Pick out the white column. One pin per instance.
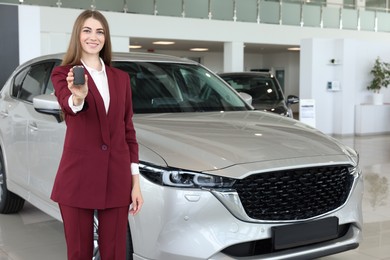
(29, 32)
(233, 56)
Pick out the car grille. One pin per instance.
(294, 194)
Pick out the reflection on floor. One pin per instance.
(32, 235)
(375, 162)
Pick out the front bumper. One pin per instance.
(349, 241)
(183, 224)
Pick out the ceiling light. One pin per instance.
(294, 49)
(163, 43)
(199, 49)
(135, 46)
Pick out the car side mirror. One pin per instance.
(48, 104)
(292, 99)
(247, 98)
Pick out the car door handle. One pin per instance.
(33, 126)
(4, 113)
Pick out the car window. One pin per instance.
(18, 81)
(261, 88)
(33, 81)
(50, 88)
(169, 87)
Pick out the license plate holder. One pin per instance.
(295, 235)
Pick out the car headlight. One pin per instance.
(167, 176)
(354, 155)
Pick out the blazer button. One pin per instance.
(104, 147)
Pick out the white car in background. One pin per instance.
(220, 180)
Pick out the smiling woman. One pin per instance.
(99, 147)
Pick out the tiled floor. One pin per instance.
(375, 161)
(32, 235)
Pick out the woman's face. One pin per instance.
(92, 37)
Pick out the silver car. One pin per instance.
(220, 180)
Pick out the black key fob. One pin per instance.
(78, 74)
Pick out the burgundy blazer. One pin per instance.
(94, 171)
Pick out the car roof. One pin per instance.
(246, 73)
(123, 56)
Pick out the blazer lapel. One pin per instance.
(100, 109)
(112, 90)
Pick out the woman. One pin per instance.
(99, 165)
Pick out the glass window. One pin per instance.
(165, 87)
(50, 88)
(349, 4)
(377, 4)
(18, 82)
(261, 88)
(35, 81)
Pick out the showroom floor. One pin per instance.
(32, 235)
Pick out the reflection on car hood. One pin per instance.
(211, 141)
(268, 104)
(276, 106)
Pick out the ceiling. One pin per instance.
(186, 45)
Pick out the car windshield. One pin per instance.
(261, 88)
(159, 87)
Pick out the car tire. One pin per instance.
(96, 253)
(9, 202)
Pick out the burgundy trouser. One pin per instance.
(78, 226)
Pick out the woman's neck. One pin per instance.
(92, 62)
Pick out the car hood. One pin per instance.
(213, 141)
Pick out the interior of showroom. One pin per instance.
(307, 72)
(329, 73)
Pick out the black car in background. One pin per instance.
(265, 90)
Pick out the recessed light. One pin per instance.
(135, 46)
(163, 43)
(199, 49)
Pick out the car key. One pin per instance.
(78, 74)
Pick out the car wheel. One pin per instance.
(9, 202)
(96, 253)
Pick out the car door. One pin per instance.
(13, 124)
(45, 142)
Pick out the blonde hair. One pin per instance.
(73, 54)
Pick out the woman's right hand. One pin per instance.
(79, 92)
